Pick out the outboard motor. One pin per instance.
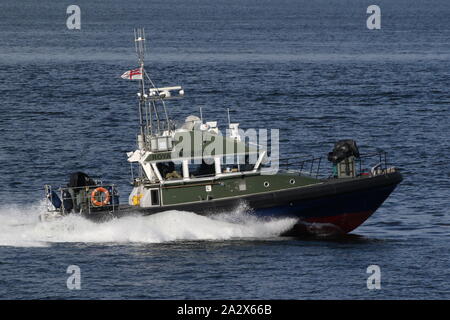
(79, 196)
(80, 179)
(343, 158)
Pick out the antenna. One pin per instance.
(229, 121)
(139, 43)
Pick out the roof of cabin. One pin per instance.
(194, 144)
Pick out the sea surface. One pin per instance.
(311, 69)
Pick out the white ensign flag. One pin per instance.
(135, 74)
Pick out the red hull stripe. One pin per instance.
(346, 222)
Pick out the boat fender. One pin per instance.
(54, 199)
(97, 203)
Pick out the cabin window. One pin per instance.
(170, 170)
(236, 164)
(247, 162)
(229, 164)
(154, 194)
(204, 169)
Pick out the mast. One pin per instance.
(139, 42)
(154, 121)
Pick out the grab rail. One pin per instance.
(313, 166)
(78, 199)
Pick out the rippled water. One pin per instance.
(310, 69)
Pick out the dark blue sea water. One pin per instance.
(309, 68)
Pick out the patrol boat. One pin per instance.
(193, 167)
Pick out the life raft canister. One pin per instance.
(97, 203)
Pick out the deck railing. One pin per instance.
(78, 199)
(314, 167)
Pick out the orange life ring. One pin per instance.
(97, 203)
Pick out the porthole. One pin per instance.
(266, 184)
(292, 181)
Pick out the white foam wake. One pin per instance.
(20, 226)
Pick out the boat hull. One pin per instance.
(335, 205)
(344, 208)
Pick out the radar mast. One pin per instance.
(154, 119)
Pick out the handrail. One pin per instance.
(79, 201)
(314, 167)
